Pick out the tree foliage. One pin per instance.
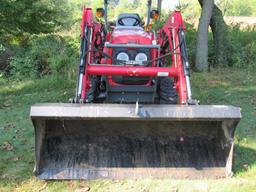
(19, 17)
(238, 7)
(36, 38)
(43, 55)
(122, 6)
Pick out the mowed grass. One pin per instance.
(226, 86)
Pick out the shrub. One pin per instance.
(191, 43)
(241, 49)
(242, 52)
(44, 55)
(5, 54)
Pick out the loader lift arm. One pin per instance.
(172, 36)
(92, 37)
(173, 31)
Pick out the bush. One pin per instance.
(191, 43)
(5, 54)
(242, 53)
(44, 55)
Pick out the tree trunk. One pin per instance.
(202, 36)
(220, 35)
(159, 6)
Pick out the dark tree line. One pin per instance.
(25, 17)
(31, 17)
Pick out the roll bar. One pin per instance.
(159, 6)
(106, 13)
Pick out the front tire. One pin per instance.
(167, 93)
(91, 92)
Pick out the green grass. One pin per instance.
(226, 86)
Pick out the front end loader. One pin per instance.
(133, 115)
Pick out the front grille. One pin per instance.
(132, 54)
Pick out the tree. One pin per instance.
(19, 17)
(202, 35)
(159, 5)
(220, 35)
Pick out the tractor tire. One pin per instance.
(167, 93)
(90, 95)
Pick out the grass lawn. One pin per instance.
(229, 86)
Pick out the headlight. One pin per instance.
(122, 56)
(141, 57)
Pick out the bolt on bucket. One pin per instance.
(114, 141)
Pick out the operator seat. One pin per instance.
(128, 19)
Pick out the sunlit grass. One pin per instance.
(14, 86)
(154, 185)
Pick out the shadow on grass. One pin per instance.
(244, 158)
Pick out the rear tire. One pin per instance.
(167, 93)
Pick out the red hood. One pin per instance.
(137, 36)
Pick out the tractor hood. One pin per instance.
(125, 35)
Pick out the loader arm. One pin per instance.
(91, 48)
(169, 38)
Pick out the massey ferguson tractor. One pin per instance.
(133, 115)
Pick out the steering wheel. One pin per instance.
(121, 20)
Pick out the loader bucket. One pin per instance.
(114, 141)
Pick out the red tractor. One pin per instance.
(127, 62)
(133, 115)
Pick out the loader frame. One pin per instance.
(171, 39)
